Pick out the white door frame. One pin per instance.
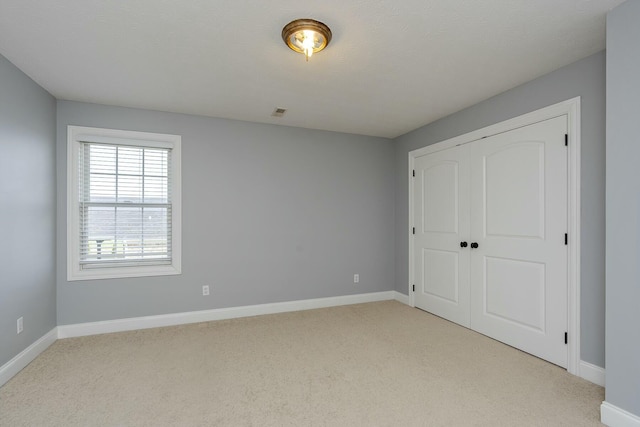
(570, 108)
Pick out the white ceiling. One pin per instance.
(392, 66)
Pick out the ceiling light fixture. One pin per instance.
(306, 36)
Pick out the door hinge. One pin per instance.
(566, 139)
(414, 172)
(566, 239)
(414, 288)
(566, 338)
(413, 230)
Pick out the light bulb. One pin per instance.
(308, 43)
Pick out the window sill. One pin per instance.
(122, 272)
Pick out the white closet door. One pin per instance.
(441, 218)
(519, 221)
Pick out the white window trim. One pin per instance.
(76, 134)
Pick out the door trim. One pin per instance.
(571, 109)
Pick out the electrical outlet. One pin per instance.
(20, 325)
(356, 278)
(205, 290)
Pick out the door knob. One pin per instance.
(463, 244)
(474, 245)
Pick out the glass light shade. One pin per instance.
(306, 36)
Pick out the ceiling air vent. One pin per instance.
(279, 112)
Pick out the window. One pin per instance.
(123, 204)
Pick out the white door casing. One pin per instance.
(491, 263)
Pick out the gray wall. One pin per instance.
(623, 208)
(27, 214)
(585, 78)
(270, 213)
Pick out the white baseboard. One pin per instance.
(26, 356)
(146, 322)
(613, 416)
(591, 372)
(400, 297)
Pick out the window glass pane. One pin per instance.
(126, 233)
(100, 222)
(129, 226)
(102, 159)
(155, 232)
(129, 189)
(102, 188)
(100, 237)
(130, 160)
(155, 190)
(155, 162)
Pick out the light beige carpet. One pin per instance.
(378, 364)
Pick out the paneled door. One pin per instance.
(518, 223)
(489, 248)
(441, 216)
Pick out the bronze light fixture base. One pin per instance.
(306, 36)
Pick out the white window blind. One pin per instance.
(125, 205)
